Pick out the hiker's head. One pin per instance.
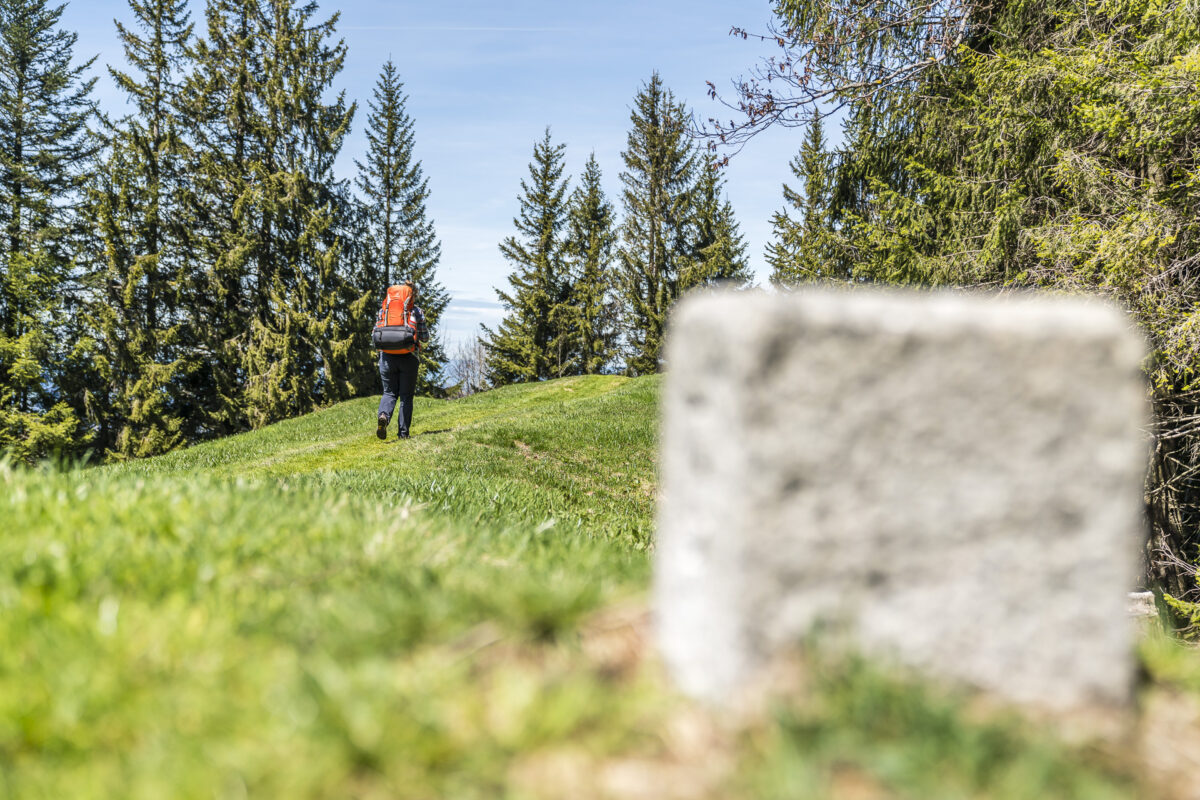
(412, 288)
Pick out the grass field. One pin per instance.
(307, 612)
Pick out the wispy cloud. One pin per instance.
(455, 28)
(473, 306)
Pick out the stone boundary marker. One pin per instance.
(950, 480)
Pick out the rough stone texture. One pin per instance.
(1141, 604)
(953, 480)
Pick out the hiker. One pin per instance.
(398, 335)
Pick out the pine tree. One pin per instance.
(660, 165)
(298, 352)
(718, 250)
(405, 244)
(958, 169)
(44, 149)
(134, 205)
(803, 247)
(590, 242)
(533, 341)
(217, 104)
(360, 259)
(271, 209)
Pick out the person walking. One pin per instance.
(398, 335)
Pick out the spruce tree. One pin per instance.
(217, 104)
(660, 164)
(45, 146)
(533, 341)
(270, 209)
(134, 210)
(298, 351)
(590, 242)
(803, 248)
(360, 258)
(718, 250)
(405, 245)
(959, 169)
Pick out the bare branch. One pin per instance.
(834, 53)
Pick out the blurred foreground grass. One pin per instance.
(307, 612)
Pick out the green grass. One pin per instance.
(578, 451)
(165, 638)
(294, 612)
(307, 612)
(853, 727)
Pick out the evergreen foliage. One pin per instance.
(804, 247)
(1059, 154)
(1046, 146)
(404, 245)
(660, 172)
(590, 243)
(534, 340)
(718, 249)
(44, 146)
(216, 102)
(273, 294)
(134, 209)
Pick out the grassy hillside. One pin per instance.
(295, 612)
(578, 452)
(307, 612)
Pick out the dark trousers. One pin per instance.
(399, 374)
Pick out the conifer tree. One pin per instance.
(958, 169)
(134, 209)
(360, 259)
(533, 341)
(718, 248)
(298, 350)
(405, 245)
(590, 241)
(271, 208)
(217, 103)
(660, 164)
(44, 147)
(803, 248)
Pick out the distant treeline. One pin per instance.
(1051, 145)
(590, 293)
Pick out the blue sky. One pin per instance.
(484, 79)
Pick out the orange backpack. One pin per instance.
(396, 330)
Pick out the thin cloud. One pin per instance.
(457, 306)
(454, 28)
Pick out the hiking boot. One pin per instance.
(381, 429)
(403, 435)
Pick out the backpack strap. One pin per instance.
(386, 313)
